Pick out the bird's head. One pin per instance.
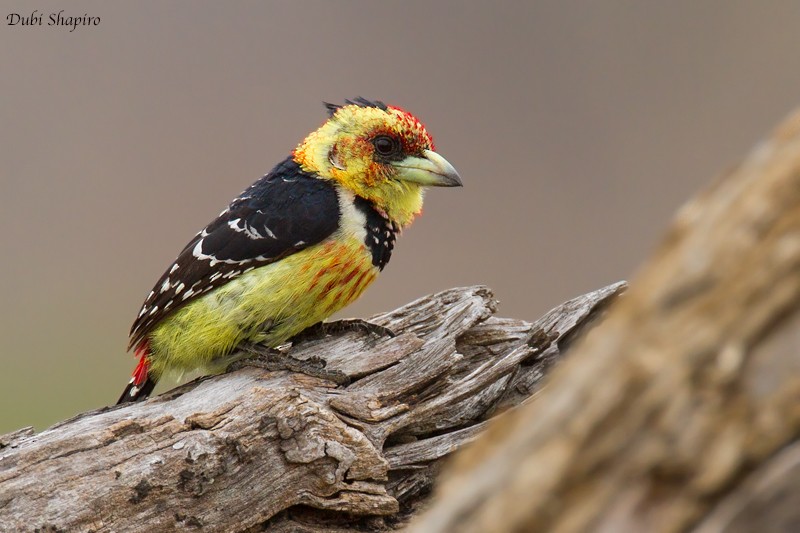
(381, 153)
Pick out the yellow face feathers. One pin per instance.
(381, 153)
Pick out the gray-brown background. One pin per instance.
(578, 129)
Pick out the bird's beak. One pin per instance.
(431, 170)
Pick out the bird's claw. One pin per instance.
(274, 360)
(322, 329)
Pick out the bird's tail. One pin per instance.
(143, 382)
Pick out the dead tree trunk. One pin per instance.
(681, 411)
(236, 451)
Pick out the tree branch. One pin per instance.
(668, 405)
(231, 452)
(678, 412)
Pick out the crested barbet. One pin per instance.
(296, 246)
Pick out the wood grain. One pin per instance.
(260, 449)
(661, 411)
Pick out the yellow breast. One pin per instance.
(269, 304)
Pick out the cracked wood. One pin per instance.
(236, 451)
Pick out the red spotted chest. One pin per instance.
(345, 278)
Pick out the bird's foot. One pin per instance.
(322, 329)
(273, 360)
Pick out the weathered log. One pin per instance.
(663, 410)
(764, 501)
(680, 412)
(283, 451)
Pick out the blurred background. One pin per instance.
(578, 131)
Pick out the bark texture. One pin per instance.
(283, 451)
(679, 412)
(672, 414)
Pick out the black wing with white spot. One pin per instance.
(284, 212)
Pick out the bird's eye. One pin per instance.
(386, 146)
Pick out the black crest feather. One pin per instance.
(359, 101)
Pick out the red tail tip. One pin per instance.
(140, 374)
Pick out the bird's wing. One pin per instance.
(284, 212)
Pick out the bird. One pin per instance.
(296, 246)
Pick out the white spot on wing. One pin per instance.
(153, 310)
(252, 233)
(197, 252)
(174, 268)
(246, 229)
(179, 288)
